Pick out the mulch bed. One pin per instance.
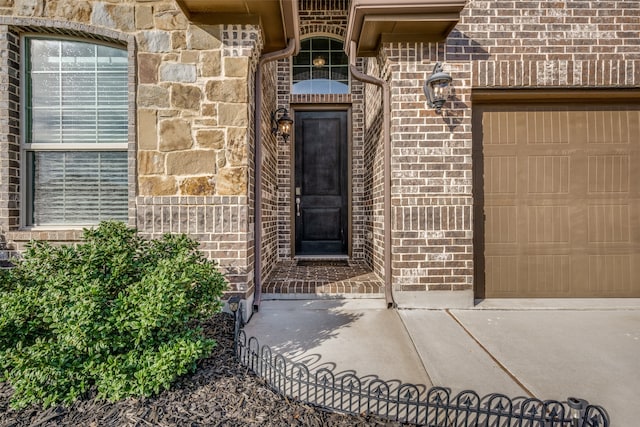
(220, 393)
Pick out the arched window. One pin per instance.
(320, 67)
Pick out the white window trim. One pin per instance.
(27, 147)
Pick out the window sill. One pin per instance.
(66, 234)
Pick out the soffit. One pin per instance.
(372, 22)
(278, 19)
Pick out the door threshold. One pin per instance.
(321, 257)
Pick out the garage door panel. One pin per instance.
(547, 275)
(502, 129)
(546, 127)
(612, 275)
(502, 225)
(502, 173)
(560, 199)
(608, 173)
(609, 223)
(548, 174)
(607, 125)
(502, 273)
(548, 225)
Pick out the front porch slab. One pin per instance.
(322, 279)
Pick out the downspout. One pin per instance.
(386, 125)
(269, 57)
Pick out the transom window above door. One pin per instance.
(321, 67)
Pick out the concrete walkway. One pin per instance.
(555, 351)
(357, 336)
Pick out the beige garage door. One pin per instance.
(557, 193)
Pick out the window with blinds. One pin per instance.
(76, 132)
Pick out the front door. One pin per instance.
(321, 183)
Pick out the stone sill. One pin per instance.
(51, 235)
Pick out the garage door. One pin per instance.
(557, 195)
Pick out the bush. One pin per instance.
(116, 312)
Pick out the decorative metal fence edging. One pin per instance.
(408, 403)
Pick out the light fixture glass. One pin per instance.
(319, 61)
(437, 88)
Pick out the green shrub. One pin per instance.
(116, 312)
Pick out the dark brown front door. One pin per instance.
(321, 187)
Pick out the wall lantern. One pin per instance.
(282, 125)
(437, 88)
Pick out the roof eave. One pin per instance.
(372, 22)
(278, 19)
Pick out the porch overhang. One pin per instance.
(372, 22)
(278, 19)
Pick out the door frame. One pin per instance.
(292, 170)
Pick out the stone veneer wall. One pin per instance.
(190, 121)
(497, 44)
(195, 120)
(325, 18)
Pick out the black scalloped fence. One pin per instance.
(409, 403)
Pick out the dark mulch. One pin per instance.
(220, 393)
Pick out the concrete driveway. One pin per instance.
(592, 354)
(585, 350)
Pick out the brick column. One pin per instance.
(432, 204)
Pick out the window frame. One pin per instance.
(28, 149)
(329, 66)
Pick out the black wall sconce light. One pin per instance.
(281, 125)
(437, 88)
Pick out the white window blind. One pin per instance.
(77, 101)
(78, 92)
(79, 187)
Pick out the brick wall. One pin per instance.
(549, 43)
(220, 223)
(497, 44)
(269, 161)
(326, 18)
(373, 180)
(9, 130)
